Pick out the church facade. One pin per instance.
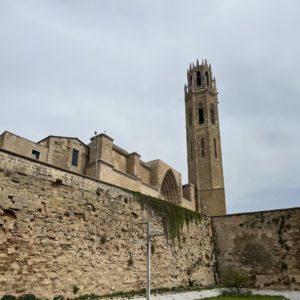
(103, 160)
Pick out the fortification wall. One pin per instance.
(59, 230)
(265, 245)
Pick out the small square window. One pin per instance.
(35, 154)
(75, 155)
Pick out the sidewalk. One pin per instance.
(185, 296)
(292, 295)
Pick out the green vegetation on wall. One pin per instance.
(172, 216)
(282, 222)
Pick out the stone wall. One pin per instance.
(266, 245)
(59, 229)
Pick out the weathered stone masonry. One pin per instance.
(59, 230)
(266, 245)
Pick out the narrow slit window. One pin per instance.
(75, 156)
(207, 78)
(35, 154)
(192, 151)
(201, 115)
(202, 148)
(190, 118)
(198, 78)
(215, 148)
(212, 114)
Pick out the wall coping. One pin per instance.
(75, 173)
(59, 168)
(256, 212)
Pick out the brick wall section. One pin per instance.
(266, 245)
(59, 229)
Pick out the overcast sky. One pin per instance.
(71, 67)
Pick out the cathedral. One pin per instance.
(104, 161)
(73, 214)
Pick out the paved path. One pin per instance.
(185, 296)
(293, 295)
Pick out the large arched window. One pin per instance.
(215, 148)
(212, 114)
(201, 114)
(169, 188)
(202, 147)
(207, 78)
(191, 79)
(198, 78)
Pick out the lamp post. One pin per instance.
(150, 234)
(97, 149)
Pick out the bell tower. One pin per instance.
(204, 156)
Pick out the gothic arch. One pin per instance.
(191, 79)
(169, 188)
(207, 78)
(201, 113)
(202, 144)
(212, 114)
(198, 78)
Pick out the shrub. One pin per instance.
(75, 289)
(235, 279)
(27, 297)
(8, 297)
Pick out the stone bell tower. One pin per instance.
(204, 154)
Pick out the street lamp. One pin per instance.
(150, 234)
(97, 149)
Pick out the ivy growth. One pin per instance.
(172, 216)
(281, 221)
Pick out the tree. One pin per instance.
(235, 279)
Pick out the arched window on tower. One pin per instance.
(207, 78)
(215, 148)
(202, 148)
(191, 79)
(201, 114)
(212, 114)
(198, 78)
